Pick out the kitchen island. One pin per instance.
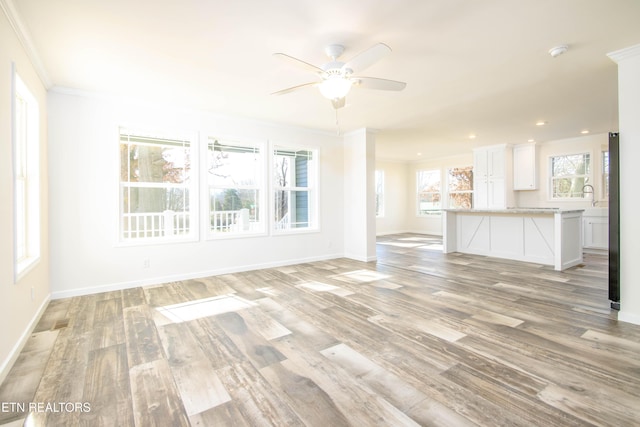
(540, 235)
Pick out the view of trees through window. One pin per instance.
(569, 175)
(293, 174)
(460, 186)
(428, 184)
(235, 186)
(155, 177)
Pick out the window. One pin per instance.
(235, 182)
(26, 177)
(294, 189)
(569, 175)
(428, 186)
(156, 187)
(460, 186)
(379, 178)
(605, 175)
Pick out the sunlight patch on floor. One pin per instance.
(191, 310)
(324, 287)
(361, 276)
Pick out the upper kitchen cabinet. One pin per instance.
(525, 167)
(492, 168)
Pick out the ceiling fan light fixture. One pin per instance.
(335, 87)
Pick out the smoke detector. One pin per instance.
(558, 50)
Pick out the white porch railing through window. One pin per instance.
(155, 224)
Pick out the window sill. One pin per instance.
(25, 266)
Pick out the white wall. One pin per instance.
(593, 144)
(629, 106)
(18, 310)
(395, 197)
(84, 159)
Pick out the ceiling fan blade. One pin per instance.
(339, 102)
(367, 58)
(379, 84)
(294, 88)
(298, 62)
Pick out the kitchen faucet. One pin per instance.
(593, 194)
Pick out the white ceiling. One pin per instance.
(471, 67)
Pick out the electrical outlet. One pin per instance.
(146, 263)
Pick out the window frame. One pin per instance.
(605, 166)
(434, 211)
(261, 187)
(448, 186)
(379, 182)
(312, 189)
(191, 185)
(587, 176)
(25, 146)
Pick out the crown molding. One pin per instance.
(624, 54)
(21, 32)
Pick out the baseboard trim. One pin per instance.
(187, 276)
(629, 317)
(7, 364)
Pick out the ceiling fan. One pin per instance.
(335, 78)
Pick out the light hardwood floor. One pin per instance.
(418, 338)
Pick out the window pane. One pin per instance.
(291, 210)
(460, 200)
(234, 165)
(233, 210)
(576, 164)
(154, 163)
(235, 187)
(155, 176)
(461, 179)
(379, 183)
(569, 175)
(569, 187)
(293, 180)
(428, 191)
(26, 177)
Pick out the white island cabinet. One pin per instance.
(539, 235)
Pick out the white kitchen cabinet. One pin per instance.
(492, 168)
(596, 228)
(525, 167)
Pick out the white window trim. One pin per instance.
(32, 214)
(434, 212)
(382, 212)
(264, 189)
(448, 193)
(194, 188)
(589, 176)
(314, 192)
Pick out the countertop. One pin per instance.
(538, 211)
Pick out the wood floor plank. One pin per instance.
(156, 401)
(198, 384)
(108, 325)
(106, 388)
(143, 344)
(410, 400)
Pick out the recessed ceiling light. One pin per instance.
(584, 132)
(472, 136)
(531, 140)
(419, 154)
(541, 123)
